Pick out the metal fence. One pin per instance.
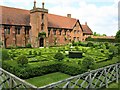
(92, 79)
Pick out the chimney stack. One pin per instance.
(34, 4)
(69, 15)
(85, 23)
(43, 3)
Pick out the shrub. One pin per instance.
(88, 62)
(22, 60)
(107, 45)
(5, 54)
(35, 53)
(30, 52)
(39, 53)
(28, 45)
(59, 56)
(89, 44)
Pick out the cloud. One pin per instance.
(101, 15)
(103, 19)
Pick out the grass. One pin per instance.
(114, 85)
(47, 79)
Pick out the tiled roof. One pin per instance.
(14, 16)
(60, 21)
(86, 29)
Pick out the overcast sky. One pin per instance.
(101, 15)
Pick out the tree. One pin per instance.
(117, 37)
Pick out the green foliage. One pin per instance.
(100, 40)
(117, 37)
(1, 43)
(31, 70)
(70, 68)
(88, 62)
(96, 34)
(28, 45)
(30, 52)
(89, 44)
(35, 53)
(5, 54)
(59, 56)
(42, 34)
(22, 60)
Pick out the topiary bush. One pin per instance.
(59, 56)
(5, 54)
(89, 44)
(30, 52)
(22, 60)
(88, 62)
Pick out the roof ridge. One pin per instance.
(61, 16)
(14, 8)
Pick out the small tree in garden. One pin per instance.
(5, 54)
(117, 37)
(22, 60)
(88, 62)
(59, 56)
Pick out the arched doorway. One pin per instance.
(41, 42)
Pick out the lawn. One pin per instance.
(47, 79)
(114, 85)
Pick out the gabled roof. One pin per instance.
(14, 16)
(61, 21)
(86, 29)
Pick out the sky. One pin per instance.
(100, 15)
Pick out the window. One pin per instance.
(49, 31)
(26, 31)
(42, 27)
(60, 31)
(74, 31)
(65, 32)
(77, 38)
(42, 16)
(74, 38)
(17, 29)
(78, 32)
(54, 31)
(7, 30)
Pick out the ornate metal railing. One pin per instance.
(8, 80)
(92, 79)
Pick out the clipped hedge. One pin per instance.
(38, 69)
(30, 71)
(101, 40)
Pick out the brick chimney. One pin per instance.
(85, 23)
(69, 15)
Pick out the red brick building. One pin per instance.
(19, 27)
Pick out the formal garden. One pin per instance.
(42, 66)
